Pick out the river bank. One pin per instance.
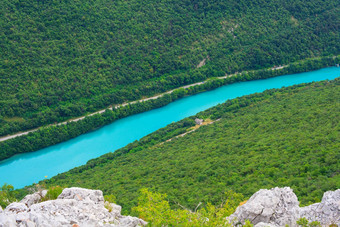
(4, 138)
(46, 136)
(24, 169)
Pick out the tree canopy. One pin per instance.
(61, 59)
(281, 137)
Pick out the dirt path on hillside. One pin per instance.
(192, 130)
(119, 105)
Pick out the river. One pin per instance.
(25, 169)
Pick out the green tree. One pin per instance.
(155, 209)
(7, 195)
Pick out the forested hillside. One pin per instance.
(61, 59)
(282, 137)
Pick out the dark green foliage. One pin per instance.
(62, 59)
(55, 134)
(52, 135)
(281, 137)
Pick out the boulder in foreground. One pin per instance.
(280, 207)
(73, 207)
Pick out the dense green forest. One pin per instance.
(51, 135)
(281, 137)
(61, 59)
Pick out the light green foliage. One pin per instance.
(302, 222)
(247, 224)
(53, 192)
(108, 206)
(110, 198)
(7, 195)
(305, 223)
(155, 209)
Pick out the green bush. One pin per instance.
(53, 193)
(305, 223)
(155, 209)
(7, 195)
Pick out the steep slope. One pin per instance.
(61, 59)
(73, 207)
(84, 207)
(282, 137)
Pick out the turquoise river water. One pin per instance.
(25, 169)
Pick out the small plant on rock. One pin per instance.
(305, 223)
(6, 195)
(53, 193)
(155, 209)
(108, 200)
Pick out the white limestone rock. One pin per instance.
(115, 209)
(74, 207)
(16, 208)
(81, 194)
(280, 207)
(7, 220)
(327, 212)
(43, 193)
(261, 224)
(129, 221)
(33, 198)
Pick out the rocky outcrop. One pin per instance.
(199, 121)
(34, 198)
(280, 207)
(74, 207)
(327, 212)
(83, 207)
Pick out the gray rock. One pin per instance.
(115, 209)
(261, 224)
(16, 208)
(199, 121)
(28, 200)
(280, 207)
(28, 223)
(81, 194)
(1, 209)
(74, 206)
(131, 221)
(327, 212)
(34, 198)
(43, 193)
(7, 220)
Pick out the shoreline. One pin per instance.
(111, 107)
(4, 138)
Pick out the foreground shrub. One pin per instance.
(155, 209)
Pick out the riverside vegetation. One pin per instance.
(54, 134)
(281, 137)
(63, 59)
(278, 137)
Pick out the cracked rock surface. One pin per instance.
(73, 207)
(280, 207)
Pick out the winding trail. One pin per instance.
(190, 131)
(4, 138)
